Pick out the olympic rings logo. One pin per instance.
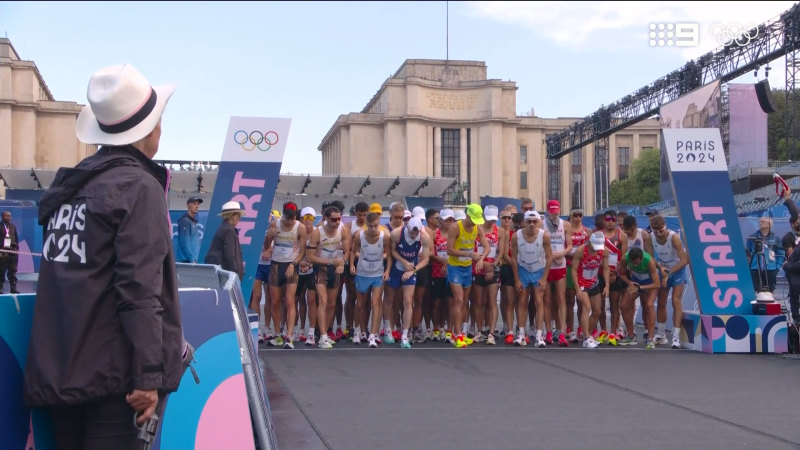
(734, 33)
(255, 140)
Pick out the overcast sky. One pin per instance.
(312, 61)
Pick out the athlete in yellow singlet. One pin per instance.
(461, 250)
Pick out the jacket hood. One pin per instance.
(69, 180)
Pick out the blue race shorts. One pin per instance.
(262, 272)
(529, 279)
(676, 279)
(396, 279)
(365, 284)
(459, 275)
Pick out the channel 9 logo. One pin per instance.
(687, 34)
(679, 34)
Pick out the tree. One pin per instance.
(642, 186)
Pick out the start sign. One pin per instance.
(707, 213)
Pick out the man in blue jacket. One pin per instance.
(766, 255)
(188, 232)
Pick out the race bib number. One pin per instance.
(370, 266)
(613, 259)
(590, 273)
(442, 254)
(282, 253)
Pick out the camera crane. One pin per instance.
(767, 42)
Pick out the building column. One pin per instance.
(437, 151)
(463, 155)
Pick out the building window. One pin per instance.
(624, 159)
(577, 157)
(451, 162)
(577, 186)
(523, 180)
(554, 178)
(601, 182)
(523, 154)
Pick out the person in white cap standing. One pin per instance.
(592, 286)
(110, 269)
(531, 258)
(410, 249)
(225, 249)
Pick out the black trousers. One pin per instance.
(103, 424)
(8, 268)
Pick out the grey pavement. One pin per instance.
(435, 396)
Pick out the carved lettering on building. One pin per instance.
(451, 101)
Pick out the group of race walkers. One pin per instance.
(435, 275)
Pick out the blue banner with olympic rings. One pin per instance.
(248, 174)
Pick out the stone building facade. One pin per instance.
(36, 131)
(446, 118)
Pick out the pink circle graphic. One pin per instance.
(225, 420)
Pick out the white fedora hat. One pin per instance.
(123, 107)
(230, 208)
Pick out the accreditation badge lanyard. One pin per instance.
(7, 240)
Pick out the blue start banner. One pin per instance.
(248, 174)
(707, 213)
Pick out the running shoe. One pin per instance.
(302, 337)
(573, 337)
(405, 343)
(490, 339)
(419, 337)
(388, 339)
(540, 342)
(562, 341)
(277, 341)
(396, 334)
(521, 341)
(347, 333)
(460, 342)
(429, 334)
(373, 341)
(311, 340)
(437, 336)
(548, 338)
(288, 345)
(448, 337)
(509, 339)
(602, 338)
(339, 334)
(478, 338)
(589, 343)
(261, 337)
(580, 331)
(468, 340)
(676, 342)
(628, 340)
(332, 337)
(650, 344)
(356, 338)
(364, 336)
(382, 333)
(612, 339)
(660, 339)
(325, 343)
